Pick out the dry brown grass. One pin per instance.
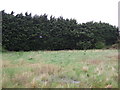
(45, 68)
(5, 80)
(6, 63)
(22, 79)
(94, 61)
(34, 83)
(43, 71)
(9, 64)
(113, 58)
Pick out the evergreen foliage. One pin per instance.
(27, 32)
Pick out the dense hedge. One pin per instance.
(24, 32)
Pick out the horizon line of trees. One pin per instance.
(26, 32)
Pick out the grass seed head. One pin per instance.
(108, 86)
(85, 68)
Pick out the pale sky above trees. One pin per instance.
(81, 10)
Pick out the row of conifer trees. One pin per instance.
(38, 32)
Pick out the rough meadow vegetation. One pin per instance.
(60, 69)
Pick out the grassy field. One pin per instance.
(60, 69)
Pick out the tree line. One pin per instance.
(27, 32)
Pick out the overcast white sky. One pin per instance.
(81, 10)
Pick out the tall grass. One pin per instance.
(60, 69)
